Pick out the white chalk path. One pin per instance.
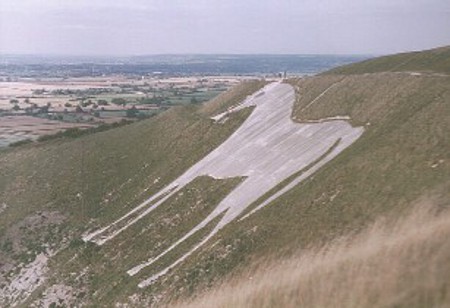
(322, 94)
(267, 149)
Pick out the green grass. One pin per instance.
(232, 97)
(151, 235)
(374, 99)
(435, 60)
(76, 132)
(403, 155)
(97, 177)
(20, 143)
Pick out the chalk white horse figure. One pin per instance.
(266, 149)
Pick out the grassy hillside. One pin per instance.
(232, 97)
(434, 60)
(402, 156)
(390, 264)
(96, 170)
(56, 190)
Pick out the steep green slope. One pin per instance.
(434, 60)
(403, 155)
(58, 189)
(232, 97)
(113, 167)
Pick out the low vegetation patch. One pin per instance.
(76, 132)
(21, 142)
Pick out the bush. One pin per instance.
(118, 101)
(132, 113)
(21, 142)
(76, 132)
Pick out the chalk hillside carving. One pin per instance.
(267, 149)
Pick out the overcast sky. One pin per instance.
(137, 27)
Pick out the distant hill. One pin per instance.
(171, 65)
(434, 60)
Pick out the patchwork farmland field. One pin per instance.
(17, 128)
(30, 107)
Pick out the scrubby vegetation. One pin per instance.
(21, 142)
(78, 132)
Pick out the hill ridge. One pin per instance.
(435, 60)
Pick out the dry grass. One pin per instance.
(391, 264)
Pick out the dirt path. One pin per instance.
(322, 94)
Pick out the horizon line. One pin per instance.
(182, 54)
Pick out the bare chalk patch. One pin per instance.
(26, 281)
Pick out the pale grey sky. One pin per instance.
(136, 27)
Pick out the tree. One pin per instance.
(44, 109)
(119, 101)
(14, 101)
(16, 107)
(132, 112)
